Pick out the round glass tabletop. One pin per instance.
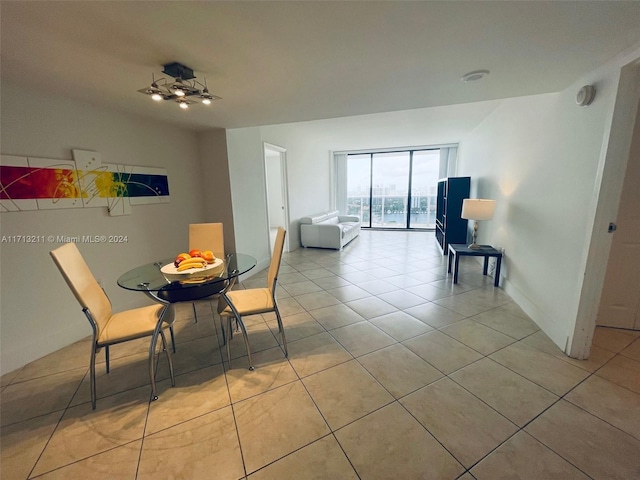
(149, 278)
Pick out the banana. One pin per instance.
(195, 262)
(182, 268)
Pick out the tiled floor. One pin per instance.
(393, 373)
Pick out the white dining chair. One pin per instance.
(111, 328)
(254, 301)
(206, 236)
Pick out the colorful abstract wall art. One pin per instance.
(31, 183)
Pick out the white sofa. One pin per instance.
(328, 230)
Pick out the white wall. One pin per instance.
(38, 312)
(309, 146)
(215, 183)
(539, 158)
(246, 172)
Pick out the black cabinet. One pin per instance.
(450, 226)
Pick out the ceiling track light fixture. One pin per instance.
(182, 87)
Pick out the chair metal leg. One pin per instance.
(195, 314)
(152, 370)
(106, 356)
(152, 349)
(214, 314)
(239, 321)
(224, 336)
(246, 340)
(173, 339)
(229, 342)
(167, 352)
(92, 375)
(281, 328)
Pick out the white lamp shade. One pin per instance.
(478, 209)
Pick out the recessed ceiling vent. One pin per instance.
(475, 75)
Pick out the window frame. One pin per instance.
(447, 167)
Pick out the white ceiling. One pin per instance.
(279, 62)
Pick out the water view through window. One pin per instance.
(393, 189)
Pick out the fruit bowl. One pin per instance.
(171, 273)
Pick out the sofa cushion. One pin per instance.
(318, 217)
(348, 228)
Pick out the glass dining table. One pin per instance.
(167, 290)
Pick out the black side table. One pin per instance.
(457, 250)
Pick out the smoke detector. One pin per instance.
(586, 95)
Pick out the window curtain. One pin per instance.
(340, 171)
(448, 161)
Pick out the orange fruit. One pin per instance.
(208, 256)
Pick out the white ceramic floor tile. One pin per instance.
(597, 448)
(465, 425)
(276, 421)
(390, 443)
(345, 393)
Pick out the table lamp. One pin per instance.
(477, 209)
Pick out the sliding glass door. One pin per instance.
(390, 181)
(393, 189)
(424, 185)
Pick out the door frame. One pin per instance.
(620, 237)
(609, 180)
(282, 152)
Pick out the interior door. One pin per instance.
(275, 183)
(620, 300)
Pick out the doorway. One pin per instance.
(620, 299)
(611, 174)
(276, 190)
